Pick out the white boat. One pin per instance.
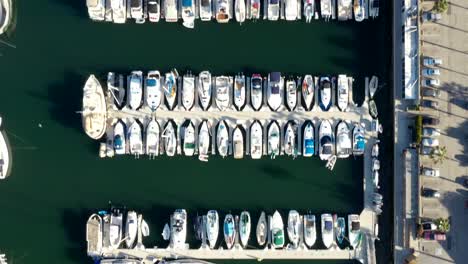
(291, 94)
(93, 238)
(153, 93)
(222, 138)
(188, 13)
(373, 85)
(154, 10)
(205, 8)
(273, 11)
(277, 231)
(344, 146)
(212, 227)
(170, 10)
(169, 137)
(188, 91)
(308, 142)
(308, 90)
(166, 233)
(239, 10)
(326, 9)
(309, 9)
(290, 10)
(375, 150)
(115, 85)
(238, 142)
(204, 89)
(152, 138)
(223, 11)
(136, 11)
(179, 229)
(325, 93)
(96, 9)
(94, 111)
(360, 10)
(244, 228)
(229, 230)
(256, 91)
(223, 92)
(239, 91)
(170, 88)
(359, 141)
(310, 230)
(256, 140)
(373, 109)
(115, 229)
(135, 93)
(204, 140)
(327, 230)
(119, 11)
(119, 138)
(327, 140)
(255, 6)
(375, 164)
(294, 231)
(5, 154)
(262, 230)
(374, 8)
(144, 228)
(275, 90)
(274, 136)
(345, 9)
(290, 139)
(343, 92)
(354, 230)
(134, 138)
(189, 139)
(131, 228)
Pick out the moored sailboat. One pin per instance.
(294, 223)
(308, 91)
(170, 88)
(238, 142)
(116, 88)
(204, 89)
(343, 92)
(262, 230)
(290, 139)
(212, 227)
(188, 91)
(256, 140)
(308, 146)
(152, 138)
(222, 138)
(178, 228)
(274, 136)
(204, 140)
(169, 137)
(239, 10)
(223, 92)
(239, 91)
(131, 228)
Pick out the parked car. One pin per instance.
(428, 226)
(430, 193)
(430, 92)
(425, 150)
(430, 172)
(429, 103)
(434, 236)
(431, 82)
(428, 72)
(431, 132)
(428, 61)
(430, 142)
(431, 121)
(429, 16)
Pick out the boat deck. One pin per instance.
(93, 230)
(345, 10)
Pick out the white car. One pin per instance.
(430, 142)
(431, 132)
(430, 172)
(428, 72)
(432, 61)
(431, 82)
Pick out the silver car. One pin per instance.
(431, 82)
(428, 72)
(430, 92)
(431, 132)
(430, 142)
(430, 172)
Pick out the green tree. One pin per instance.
(441, 6)
(439, 155)
(443, 225)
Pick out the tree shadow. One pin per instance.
(460, 133)
(458, 93)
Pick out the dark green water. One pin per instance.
(58, 178)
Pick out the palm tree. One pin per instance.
(439, 154)
(443, 225)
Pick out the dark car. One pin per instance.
(431, 121)
(429, 103)
(430, 193)
(465, 182)
(430, 92)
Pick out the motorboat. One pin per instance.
(375, 179)
(290, 139)
(239, 90)
(291, 94)
(375, 150)
(166, 233)
(170, 88)
(239, 10)
(169, 137)
(309, 9)
(308, 92)
(359, 141)
(205, 10)
(326, 9)
(131, 228)
(204, 89)
(275, 90)
(273, 10)
(229, 230)
(327, 230)
(154, 10)
(373, 86)
(222, 138)
(188, 91)
(212, 227)
(223, 92)
(115, 229)
(238, 142)
(360, 10)
(135, 93)
(343, 92)
(255, 6)
(277, 231)
(373, 109)
(119, 138)
(308, 142)
(375, 164)
(354, 230)
(119, 11)
(188, 13)
(256, 91)
(325, 93)
(136, 11)
(262, 230)
(170, 10)
(310, 230)
(274, 136)
(291, 9)
(244, 228)
(178, 228)
(327, 140)
(189, 139)
(294, 224)
(340, 229)
(94, 111)
(152, 138)
(374, 8)
(5, 154)
(153, 93)
(256, 140)
(134, 138)
(94, 239)
(343, 140)
(96, 9)
(116, 87)
(223, 11)
(204, 140)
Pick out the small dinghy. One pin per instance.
(189, 139)
(229, 230)
(308, 91)
(222, 138)
(239, 90)
(262, 229)
(375, 179)
(166, 234)
(373, 85)
(145, 231)
(310, 230)
(204, 89)
(274, 139)
(238, 142)
(294, 223)
(188, 91)
(153, 93)
(244, 228)
(373, 109)
(291, 94)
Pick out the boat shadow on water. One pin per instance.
(79, 7)
(74, 223)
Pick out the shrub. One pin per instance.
(441, 6)
(418, 128)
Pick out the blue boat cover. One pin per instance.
(186, 3)
(228, 228)
(361, 143)
(151, 82)
(309, 146)
(118, 142)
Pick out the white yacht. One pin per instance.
(326, 9)
(275, 90)
(212, 227)
(327, 230)
(262, 230)
(309, 9)
(325, 93)
(119, 11)
(240, 10)
(308, 142)
(115, 229)
(229, 230)
(96, 9)
(290, 139)
(205, 8)
(310, 230)
(5, 154)
(188, 91)
(188, 13)
(136, 11)
(256, 91)
(238, 142)
(239, 91)
(115, 85)
(94, 112)
(294, 230)
(223, 92)
(154, 10)
(274, 136)
(223, 11)
(327, 140)
(244, 228)
(169, 137)
(359, 141)
(134, 138)
(290, 10)
(189, 139)
(170, 10)
(131, 228)
(204, 140)
(222, 138)
(273, 11)
(152, 138)
(256, 140)
(204, 89)
(343, 140)
(277, 231)
(119, 138)
(360, 10)
(179, 228)
(170, 88)
(291, 94)
(308, 90)
(354, 230)
(255, 6)
(343, 92)
(153, 93)
(135, 93)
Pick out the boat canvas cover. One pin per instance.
(278, 238)
(328, 225)
(275, 89)
(186, 3)
(151, 82)
(274, 2)
(229, 228)
(206, 3)
(92, 3)
(256, 83)
(135, 3)
(275, 76)
(118, 142)
(309, 146)
(152, 7)
(355, 226)
(360, 143)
